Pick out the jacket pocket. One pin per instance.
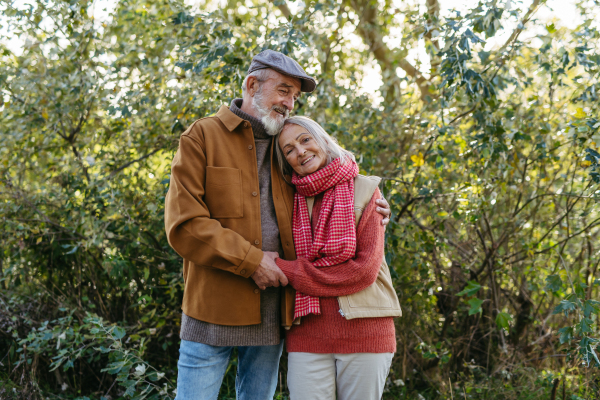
(223, 193)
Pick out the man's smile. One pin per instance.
(279, 110)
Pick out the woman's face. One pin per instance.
(301, 150)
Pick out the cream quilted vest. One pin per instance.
(379, 299)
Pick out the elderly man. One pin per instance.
(228, 214)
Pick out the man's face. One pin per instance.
(274, 99)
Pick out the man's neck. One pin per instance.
(258, 128)
(248, 109)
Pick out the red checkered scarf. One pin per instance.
(334, 239)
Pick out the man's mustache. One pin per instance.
(282, 110)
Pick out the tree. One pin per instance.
(489, 161)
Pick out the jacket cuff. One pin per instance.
(250, 263)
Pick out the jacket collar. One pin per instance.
(229, 119)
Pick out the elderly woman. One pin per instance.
(329, 353)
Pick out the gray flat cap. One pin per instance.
(284, 65)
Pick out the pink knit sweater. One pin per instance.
(330, 332)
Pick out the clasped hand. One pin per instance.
(268, 273)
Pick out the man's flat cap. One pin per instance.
(284, 65)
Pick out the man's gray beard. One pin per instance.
(272, 125)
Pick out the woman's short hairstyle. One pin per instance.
(326, 143)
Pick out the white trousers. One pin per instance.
(356, 376)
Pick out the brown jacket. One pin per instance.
(212, 219)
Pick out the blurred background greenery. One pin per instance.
(482, 120)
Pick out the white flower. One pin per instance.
(61, 336)
(140, 370)
(399, 382)
(160, 375)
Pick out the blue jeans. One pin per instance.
(202, 368)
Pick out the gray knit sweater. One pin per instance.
(268, 331)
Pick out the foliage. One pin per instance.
(66, 340)
(489, 156)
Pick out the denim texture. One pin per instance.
(202, 368)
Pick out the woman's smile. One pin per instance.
(308, 160)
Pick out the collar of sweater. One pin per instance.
(257, 126)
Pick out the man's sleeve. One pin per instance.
(190, 230)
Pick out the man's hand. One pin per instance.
(384, 209)
(268, 273)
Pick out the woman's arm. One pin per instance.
(351, 276)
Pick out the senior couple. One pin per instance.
(280, 238)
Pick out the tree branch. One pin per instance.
(370, 32)
(515, 35)
(282, 7)
(122, 167)
(593, 224)
(469, 111)
(433, 10)
(80, 161)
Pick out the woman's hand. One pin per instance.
(384, 209)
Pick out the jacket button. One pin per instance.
(256, 290)
(246, 124)
(243, 271)
(254, 194)
(250, 147)
(256, 241)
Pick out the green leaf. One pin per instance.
(475, 304)
(553, 283)
(591, 307)
(584, 326)
(580, 289)
(130, 388)
(118, 332)
(566, 334)
(587, 350)
(565, 306)
(502, 320)
(595, 155)
(146, 298)
(472, 288)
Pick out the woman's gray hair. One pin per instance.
(326, 143)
